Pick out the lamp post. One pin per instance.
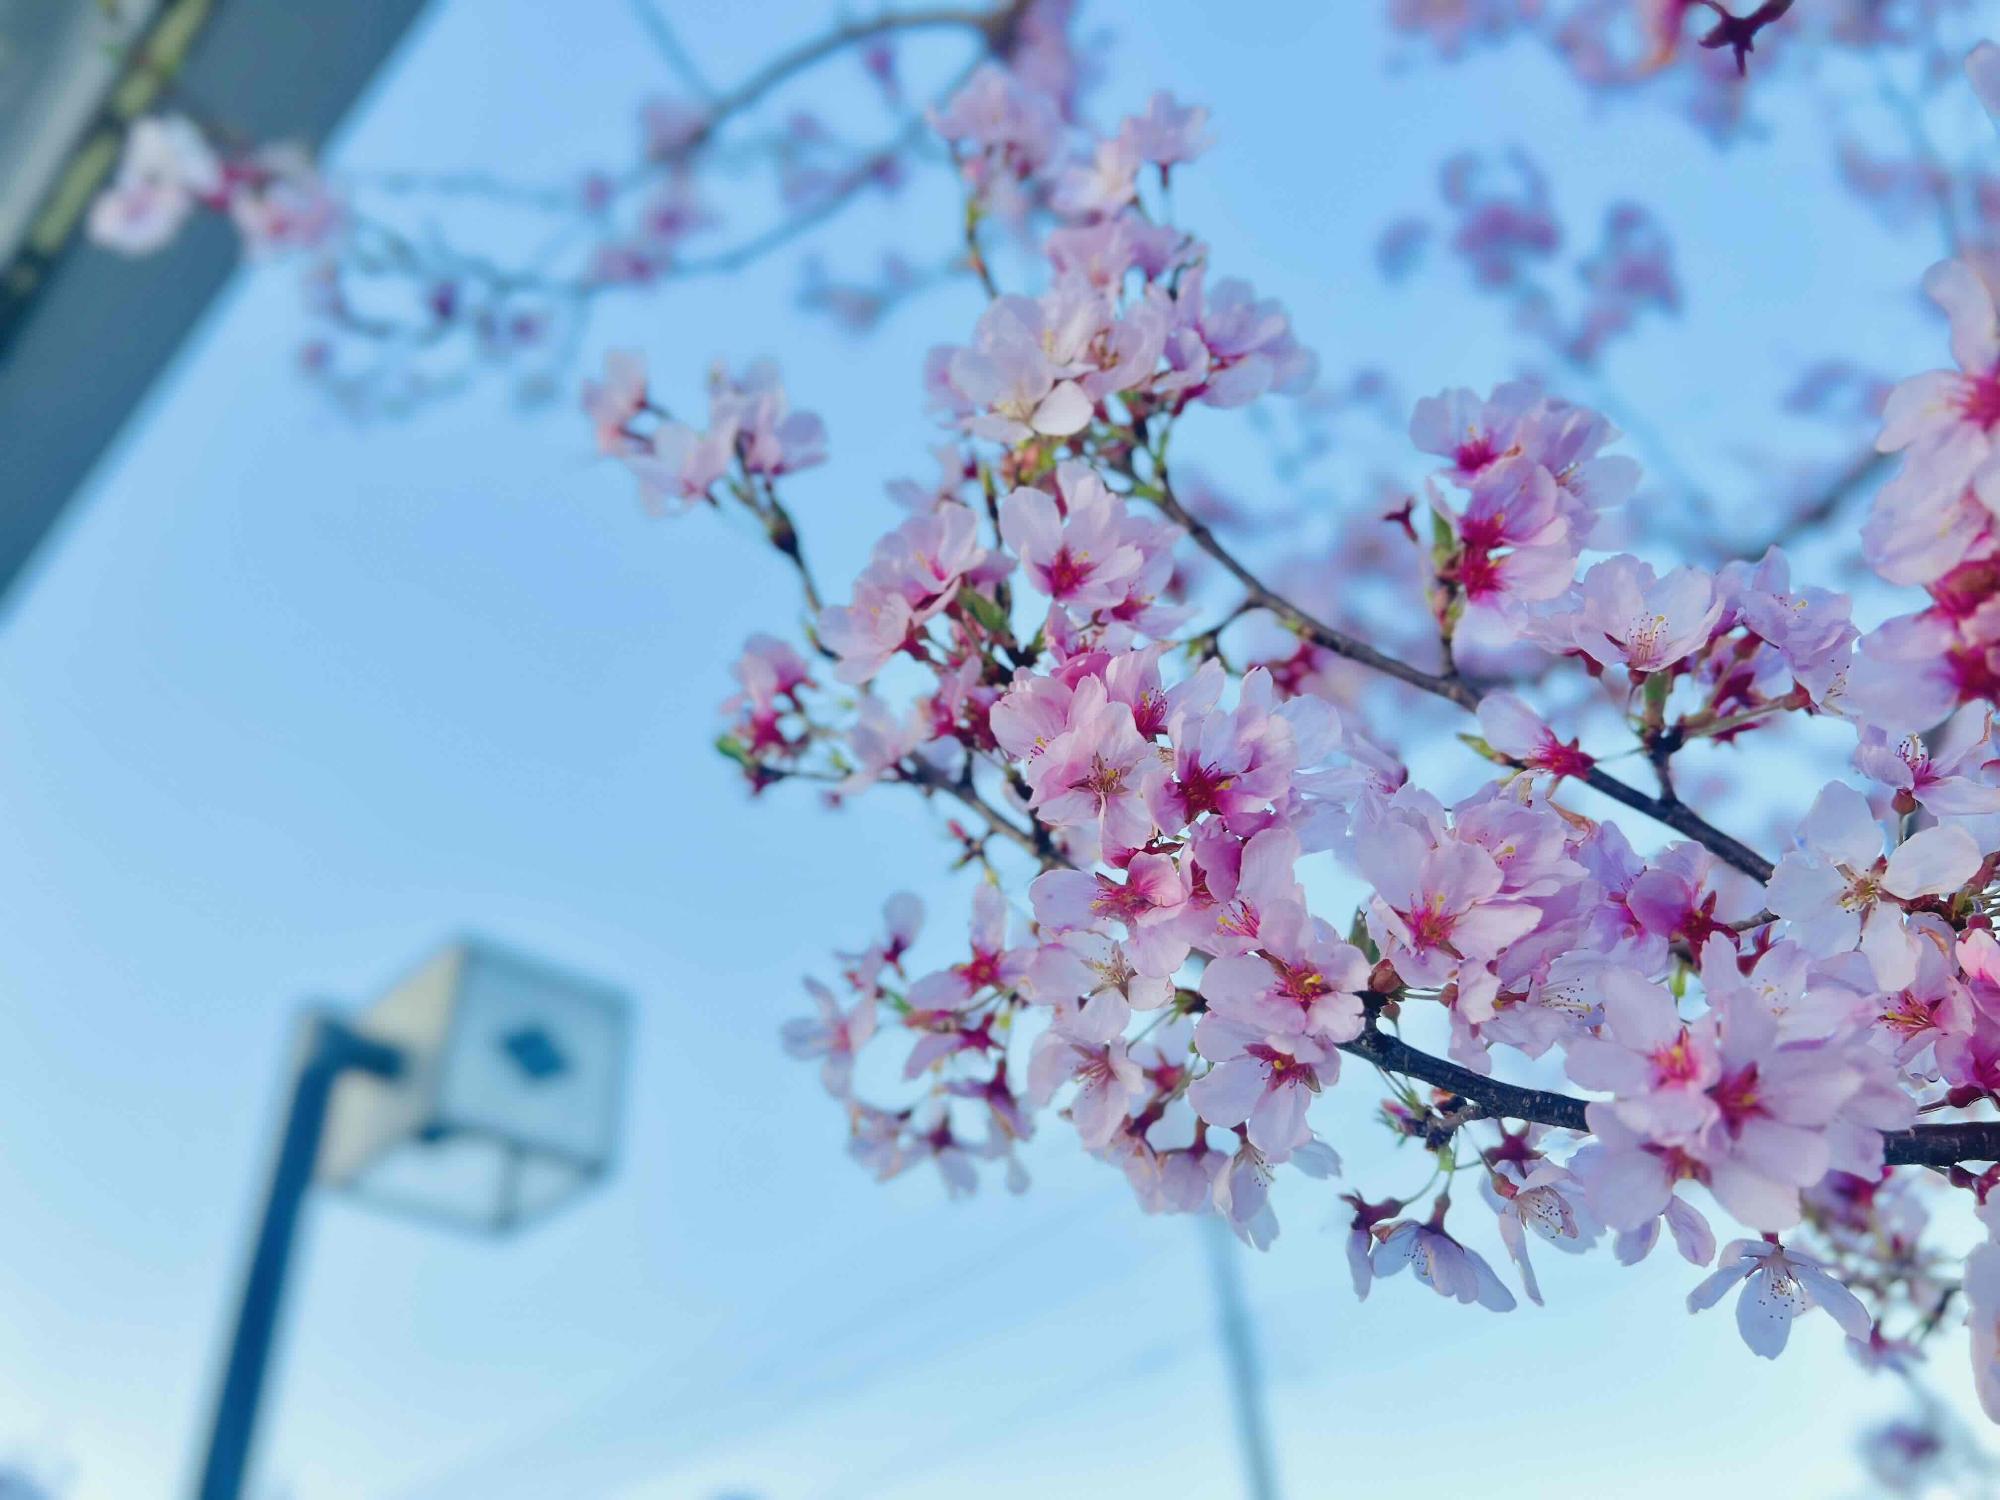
(483, 1090)
(327, 1049)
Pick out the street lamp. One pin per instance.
(484, 1091)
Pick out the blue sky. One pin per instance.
(294, 698)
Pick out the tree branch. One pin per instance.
(995, 26)
(1919, 1146)
(1450, 686)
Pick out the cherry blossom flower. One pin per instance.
(1361, 1238)
(1659, 1067)
(1778, 1285)
(1473, 433)
(1631, 1184)
(772, 438)
(1012, 387)
(1153, 892)
(1302, 981)
(1440, 1263)
(1519, 733)
(612, 403)
(1087, 1045)
(677, 466)
(833, 1036)
(1626, 615)
(1838, 889)
(1078, 556)
(1435, 907)
(866, 634)
(1103, 184)
(1098, 772)
(1262, 1082)
(1945, 420)
(1229, 762)
(166, 171)
(1943, 781)
(1544, 1198)
(1230, 347)
(993, 964)
(1082, 964)
(1169, 133)
(1982, 1315)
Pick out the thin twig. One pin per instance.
(1450, 686)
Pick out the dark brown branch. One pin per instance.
(1920, 1146)
(1450, 686)
(1943, 1145)
(1036, 843)
(1496, 1100)
(1677, 815)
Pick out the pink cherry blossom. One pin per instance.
(833, 1035)
(1098, 772)
(1009, 383)
(1435, 906)
(1302, 981)
(1518, 732)
(1441, 1263)
(1543, 1198)
(1228, 762)
(166, 171)
(1778, 1285)
(1624, 614)
(1264, 1083)
(1087, 1046)
(1839, 890)
(612, 403)
(1943, 420)
(1078, 556)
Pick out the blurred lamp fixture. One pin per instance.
(484, 1091)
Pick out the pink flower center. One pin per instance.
(1202, 788)
(1124, 902)
(1477, 573)
(982, 971)
(1908, 1016)
(1066, 573)
(1979, 399)
(1282, 1069)
(1563, 760)
(1103, 781)
(1298, 983)
(1736, 1096)
(1676, 1063)
(1475, 453)
(1430, 924)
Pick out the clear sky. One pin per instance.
(295, 698)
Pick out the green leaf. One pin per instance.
(988, 613)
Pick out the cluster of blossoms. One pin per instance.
(408, 301)
(1933, 522)
(1153, 823)
(1502, 224)
(170, 171)
(752, 436)
(1698, 51)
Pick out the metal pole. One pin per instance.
(1239, 1354)
(326, 1050)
